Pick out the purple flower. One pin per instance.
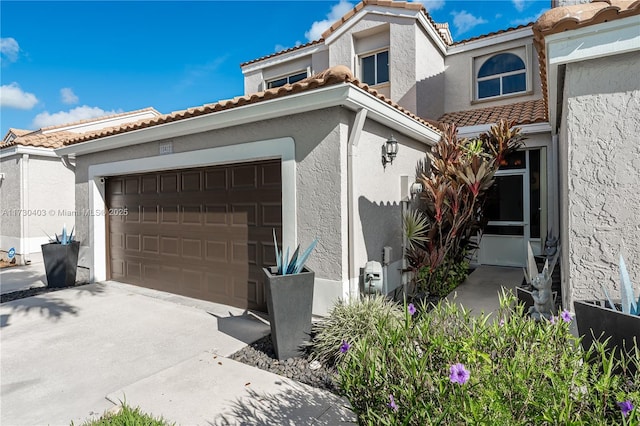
(344, 347)
(411, 309)
(552, 320)
(625, 407)
(392, 403)
(501, 323)
(459, 374)
(566, 316)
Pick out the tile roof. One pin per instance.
(54, 139)
(104, 117)
(568, 18)
(520, 113)
(39, 140)
(349, 15)
(335, 75)
(506, 30)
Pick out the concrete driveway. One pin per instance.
(63, 353)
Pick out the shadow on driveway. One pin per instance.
(48, 304)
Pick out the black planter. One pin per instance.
(594, 319)
(289, 301)
(60, 263)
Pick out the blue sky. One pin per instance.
(68, 61)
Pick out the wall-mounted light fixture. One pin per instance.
(389, 151)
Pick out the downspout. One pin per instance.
(24, 205)
(67, 163)
(352, 145)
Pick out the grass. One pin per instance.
(127, 416)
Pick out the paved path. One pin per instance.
(62, 353)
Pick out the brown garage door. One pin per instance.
(203, 233)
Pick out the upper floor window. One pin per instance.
(375, 68)
(501, 74)
(290, 79)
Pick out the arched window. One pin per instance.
(502, 74)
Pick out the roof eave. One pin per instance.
(343, 94)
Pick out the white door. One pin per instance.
(514, 210)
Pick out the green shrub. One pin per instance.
(351, 322)
(519, 373)
(444, 279)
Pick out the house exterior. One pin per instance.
(37, 194)
(590, 63)
(397, 49)
(194, 196)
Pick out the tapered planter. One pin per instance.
(595, 319)
(61, 263)
(289, 301)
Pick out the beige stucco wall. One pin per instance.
(600, 162)
(429, 78)
(459, 76)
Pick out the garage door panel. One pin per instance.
(168, 183)
(202, 233)
(244, 177)
(191, 181)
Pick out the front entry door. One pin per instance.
(514, 211)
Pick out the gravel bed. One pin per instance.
(261, 354)
(34, 291)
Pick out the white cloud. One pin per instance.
(464, 21)
(85, 112)
(520, 5)
(431, 5)
(67, 96)
(12, 96)
(318, 27)
(532, 18)
(280, 47)
(9, 49)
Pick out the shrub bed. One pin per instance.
(447, 367)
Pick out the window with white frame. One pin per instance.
(501, 74)
(374, 68)
(289, 79)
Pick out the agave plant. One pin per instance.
(64, 238)
(291, 265)
(629, 304)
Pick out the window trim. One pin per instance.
(287, 76)
(523, 52)
(374, 53)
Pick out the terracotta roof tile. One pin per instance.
(104, 117)
(520, 113)
(349, 15)
(506, 30)
(54, 139)
(39, 140)
(566, 18)
(335, 75)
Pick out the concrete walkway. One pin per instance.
(23, 277)
(479, 292)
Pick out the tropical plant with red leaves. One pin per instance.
(455, 176)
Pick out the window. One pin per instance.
(290, 79)
(501, 74)
(375, 68)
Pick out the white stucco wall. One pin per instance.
(27, 217)
(378, 210)
(10, 203)
(600, 162)
(459, 75)
(429, 77)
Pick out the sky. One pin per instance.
(67, 61)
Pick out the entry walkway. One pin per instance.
(480, 291)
